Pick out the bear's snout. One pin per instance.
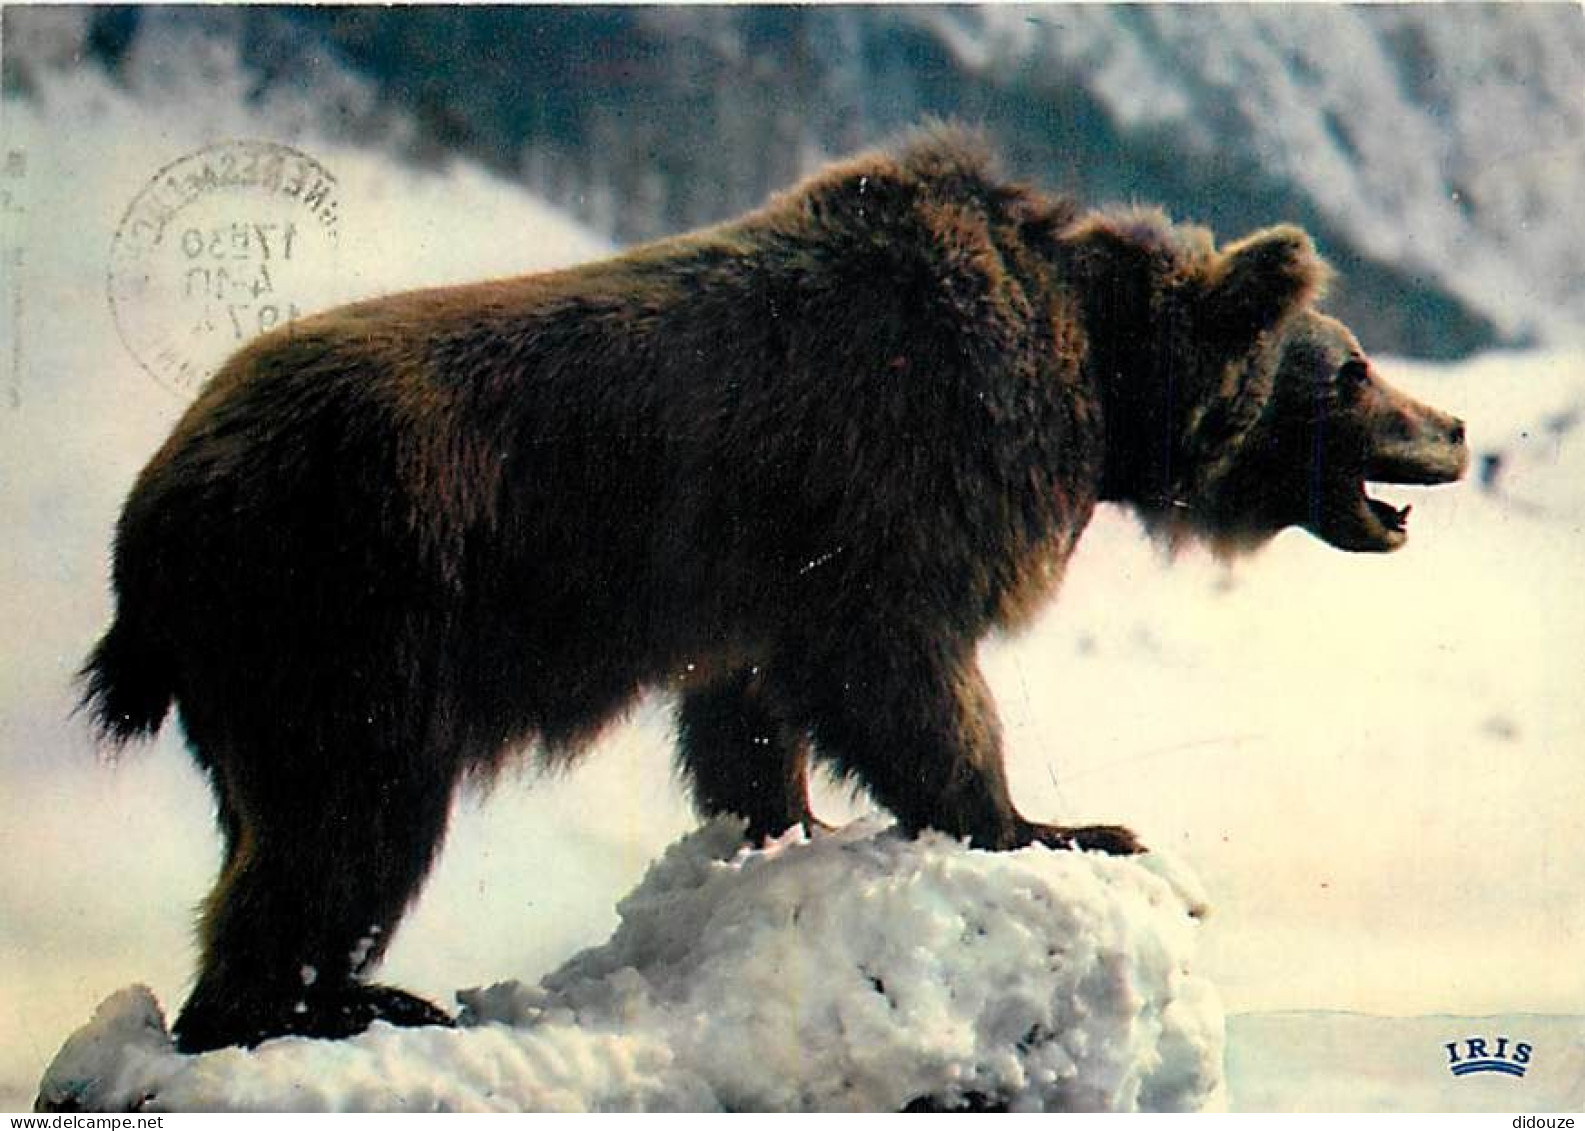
(1412, 443)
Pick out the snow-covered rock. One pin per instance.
(855, 971)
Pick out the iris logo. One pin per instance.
(1482, 1054)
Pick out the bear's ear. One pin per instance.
(1260, 280)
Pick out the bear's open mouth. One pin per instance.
(1395, 520)
(1390, 524)
(1351, 519)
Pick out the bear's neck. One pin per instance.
(1174, 429)
(1147, 402)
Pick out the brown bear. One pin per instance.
(792, 468)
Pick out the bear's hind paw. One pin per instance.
(332, 1013)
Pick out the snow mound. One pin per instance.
(854, 971)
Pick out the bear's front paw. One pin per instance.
(1112, 839)
(399, 1008)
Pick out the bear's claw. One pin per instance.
(1114, 840)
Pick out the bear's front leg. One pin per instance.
(915, 722)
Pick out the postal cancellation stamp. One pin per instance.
(219, 246)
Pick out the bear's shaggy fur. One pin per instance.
(792, 468)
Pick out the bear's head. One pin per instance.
(1332, 426)
(1312, 422)
(1236, 408)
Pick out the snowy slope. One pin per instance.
(1372, 764)
(1448, 141)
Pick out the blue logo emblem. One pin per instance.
(1488, 1054)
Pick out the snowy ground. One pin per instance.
(1353, 1062)
(1372, 764)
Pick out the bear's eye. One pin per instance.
(1355, 373)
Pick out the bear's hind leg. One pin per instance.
(742, 757)
(319, 869)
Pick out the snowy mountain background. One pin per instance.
(1372, 765)
(1434, 151)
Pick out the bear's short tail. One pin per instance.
(127, 686)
